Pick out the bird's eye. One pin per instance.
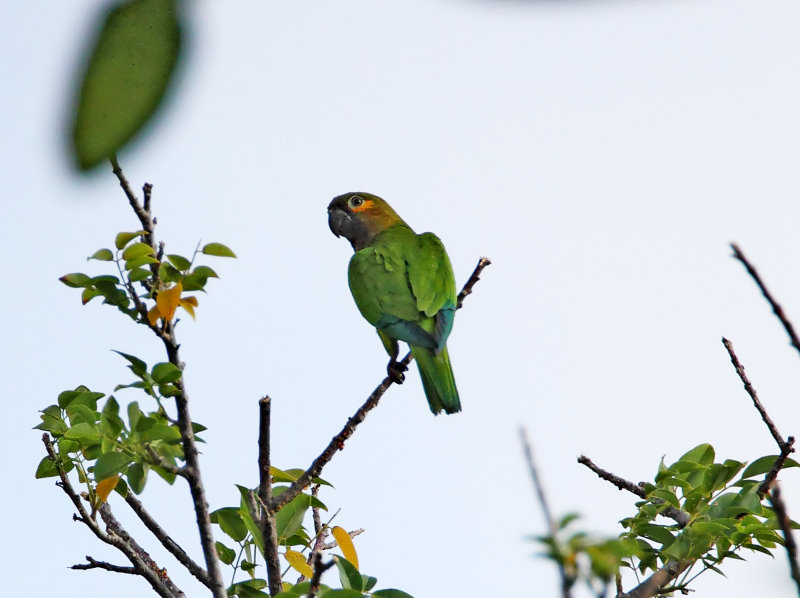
(356, 201)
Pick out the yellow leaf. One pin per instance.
(189, 303)
(105, 487)
(153, 315)
(298, 563)
(346, 544)
(167, 301)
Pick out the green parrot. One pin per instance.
(403, 285)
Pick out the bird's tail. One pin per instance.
(437, 380)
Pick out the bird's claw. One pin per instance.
(395, 370)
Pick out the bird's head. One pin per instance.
(358, 217)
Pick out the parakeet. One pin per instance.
(403, 285)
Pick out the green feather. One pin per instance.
(403, 285)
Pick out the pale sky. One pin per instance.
(603, 155)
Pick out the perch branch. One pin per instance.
(680, 517)
(337, 442)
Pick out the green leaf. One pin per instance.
(76, 280)
(764, 464)
(139, 261)
(226, 555)
(247, 566)
(702, 454)
(368, 582)
(52, 421)
(341, 594)
(169, 434)
(205, 271)
(230, 522)
(165, 372)
(348, 574)
(46, 468)
(130, 68)
(217, 249)
(122, 239)
(657, 533)
(289, 519)
(104, 255)
(83, 433)
(79, 414)
(391, 593)
(244, 591)
(110, 464)
(137, 366)
(90, 293)
(137, 477)
(667, 496)
(169, 273)
(138, 274)
(180, 262)
(137, 250)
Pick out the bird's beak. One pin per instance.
(338, 221)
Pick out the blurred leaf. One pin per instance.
(137, 250)
(298, 563)
(104, 255)
(346, 544)
(127, 76)
(138, 274)
(83, 433)
(52, 421)
(290, 518)
(217, 249)
(205, 271)
(391, 593)
(139, 261)
(137, 366)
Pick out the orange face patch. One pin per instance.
(366, 204)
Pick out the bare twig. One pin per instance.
(776, 308)
(753, 394)
(190, 454)
(319, 569)
(786, 447)
(94, 564)
(166, 541)
(788, 536)
(334, 544)
(566, 582)
(680, 517)
(267, 521)
(337, 442)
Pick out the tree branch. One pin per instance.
(776, 308)
(786, 446)
(548, 517)
(94, 564)
(788, 537)
(166, 541)
(337, 442)
(267, 519)
(680, 517)
(319, 569)
(659, 579)
(192, 469)
(114, 535)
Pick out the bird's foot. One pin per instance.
(395, 370)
